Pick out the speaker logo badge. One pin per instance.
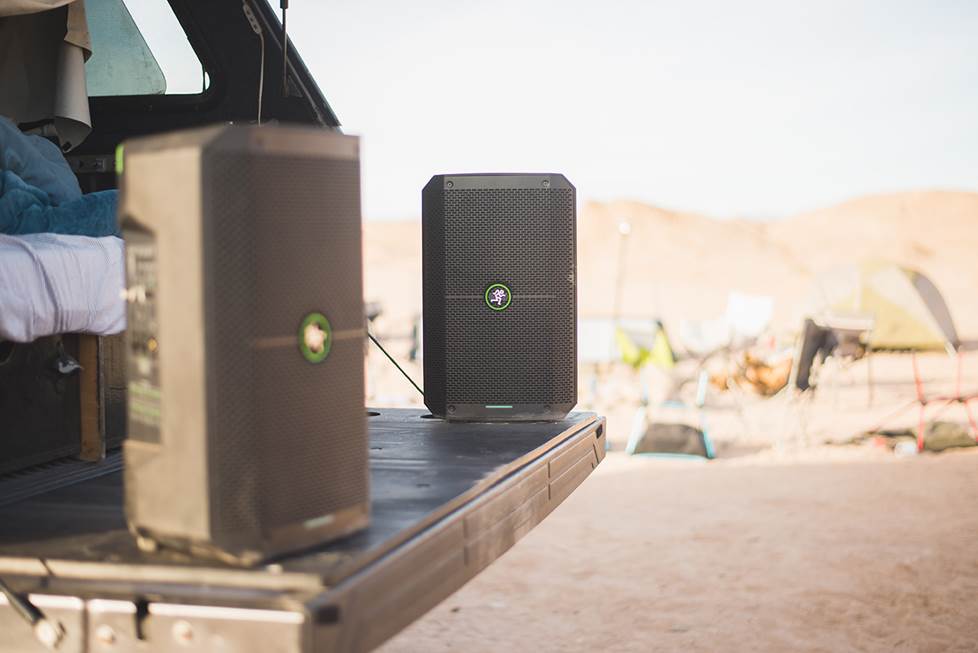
(315, 337)
(498, 296)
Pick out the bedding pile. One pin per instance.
(51, 283)
(62, 264)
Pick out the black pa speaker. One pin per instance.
(500, 296)
(247, 428)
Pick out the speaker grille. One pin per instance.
(526, 235)
(287, 436)
(523, 238)
(523, 359)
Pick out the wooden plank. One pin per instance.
(92, 436)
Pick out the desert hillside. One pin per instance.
(683, 265)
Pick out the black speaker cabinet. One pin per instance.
(500, 296)
(247, 428)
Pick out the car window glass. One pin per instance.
(139, 48)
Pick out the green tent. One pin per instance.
(907, 309)
(638, 347)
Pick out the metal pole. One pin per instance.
(624, 229)
(284, 4)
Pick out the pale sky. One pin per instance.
(757, 109)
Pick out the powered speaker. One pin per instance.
(247, 428)
(500, 296)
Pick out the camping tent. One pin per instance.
(646, 344)
(907, 309)
(635, 341)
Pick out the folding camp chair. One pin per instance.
(943, 401)
(676, 438)
(923, 402)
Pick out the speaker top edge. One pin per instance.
(290, 139)
(500, 180)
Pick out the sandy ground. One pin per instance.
(819, 551)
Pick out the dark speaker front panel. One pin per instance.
(287, 435)
(523, 237)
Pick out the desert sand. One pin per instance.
(792, 539)
(825, 553)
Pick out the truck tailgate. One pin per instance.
(447, 499)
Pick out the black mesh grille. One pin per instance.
(287, 436)
(521, 355)
(523, 238)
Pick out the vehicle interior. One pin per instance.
(127, 89)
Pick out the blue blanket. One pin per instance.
(39, 192)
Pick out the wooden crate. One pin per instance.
(102, 391)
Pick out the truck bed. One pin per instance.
(447, 499)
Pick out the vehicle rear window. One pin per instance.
(139, 48)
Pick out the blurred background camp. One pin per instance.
(665, 295)
(740, 169)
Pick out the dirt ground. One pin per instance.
(824, 549)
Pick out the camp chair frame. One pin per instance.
(640, 423)
(943, 401)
